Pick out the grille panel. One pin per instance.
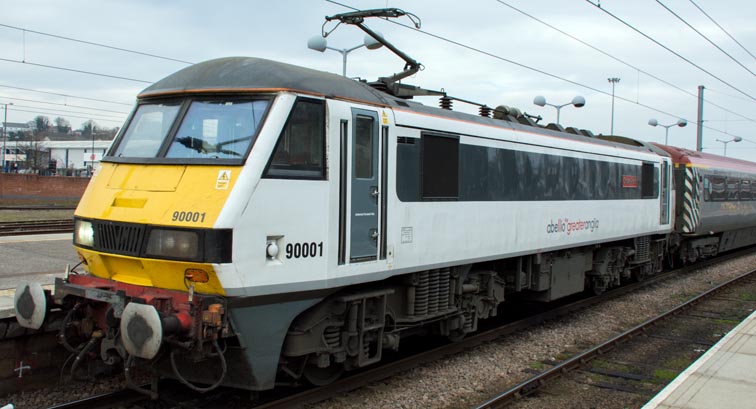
(119, 238)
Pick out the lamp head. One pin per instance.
(653, 122)
(540, 100)
(737, 139)
(681, 123)
(578, 101)
(371, 43)
(317, 43)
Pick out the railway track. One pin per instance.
(641, 360)
(117, 399)
(316, 394)
(36, 227)
(37, 207)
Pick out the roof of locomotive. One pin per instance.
(249, 74)
(706, 160)
(239, 74)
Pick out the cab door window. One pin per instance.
(300, 150)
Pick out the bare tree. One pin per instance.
(42, 123)
(36, 152)
(89, 127)
(62, 124)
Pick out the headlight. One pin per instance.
(83, 233)
(173, 243)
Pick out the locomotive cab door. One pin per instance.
(364, 186)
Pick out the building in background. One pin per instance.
(75, 158)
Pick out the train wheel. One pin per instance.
(322, 376)
(457, 335)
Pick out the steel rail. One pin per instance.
(36, 227)
(583, 358)
(107, 400)
(37, 207)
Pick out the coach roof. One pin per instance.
(257, 74)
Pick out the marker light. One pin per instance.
(196, 275)
(272, 249)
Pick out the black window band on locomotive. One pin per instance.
(482, 173)
(157, 242)
(440, 166)
(300, 150)
(207, 130)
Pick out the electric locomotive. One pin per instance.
(257, 223)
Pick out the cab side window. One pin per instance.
(300, 151)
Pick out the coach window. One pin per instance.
(648, 185)
(745, 189)
(300, 152)
(717, 188)
(440, 167)
(733, 188)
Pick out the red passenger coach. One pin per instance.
(716, 202)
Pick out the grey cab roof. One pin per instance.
(258, 74)
(239, 74)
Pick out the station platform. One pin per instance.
(6, 303)
(723, 377)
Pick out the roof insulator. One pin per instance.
(445, 102)
(485, 111)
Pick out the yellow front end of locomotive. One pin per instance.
(173, 196)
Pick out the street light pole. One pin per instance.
(5, 124)
(680, 122)
(735, 139)
(613, 81)
(578, 102)
(92, 155)
(319, 43)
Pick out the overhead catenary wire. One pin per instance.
(187, 62)
(66, 95)
(55, 67)
(621, 61)
(96, 44)
(489, 54)
(501, 2)
(705, 37)
(70, 116)
(114, 117)
(738, 97)
(66, 105)
(668, 49)
(723, 30)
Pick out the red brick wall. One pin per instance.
(20, 186)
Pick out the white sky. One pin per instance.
(201, 30)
